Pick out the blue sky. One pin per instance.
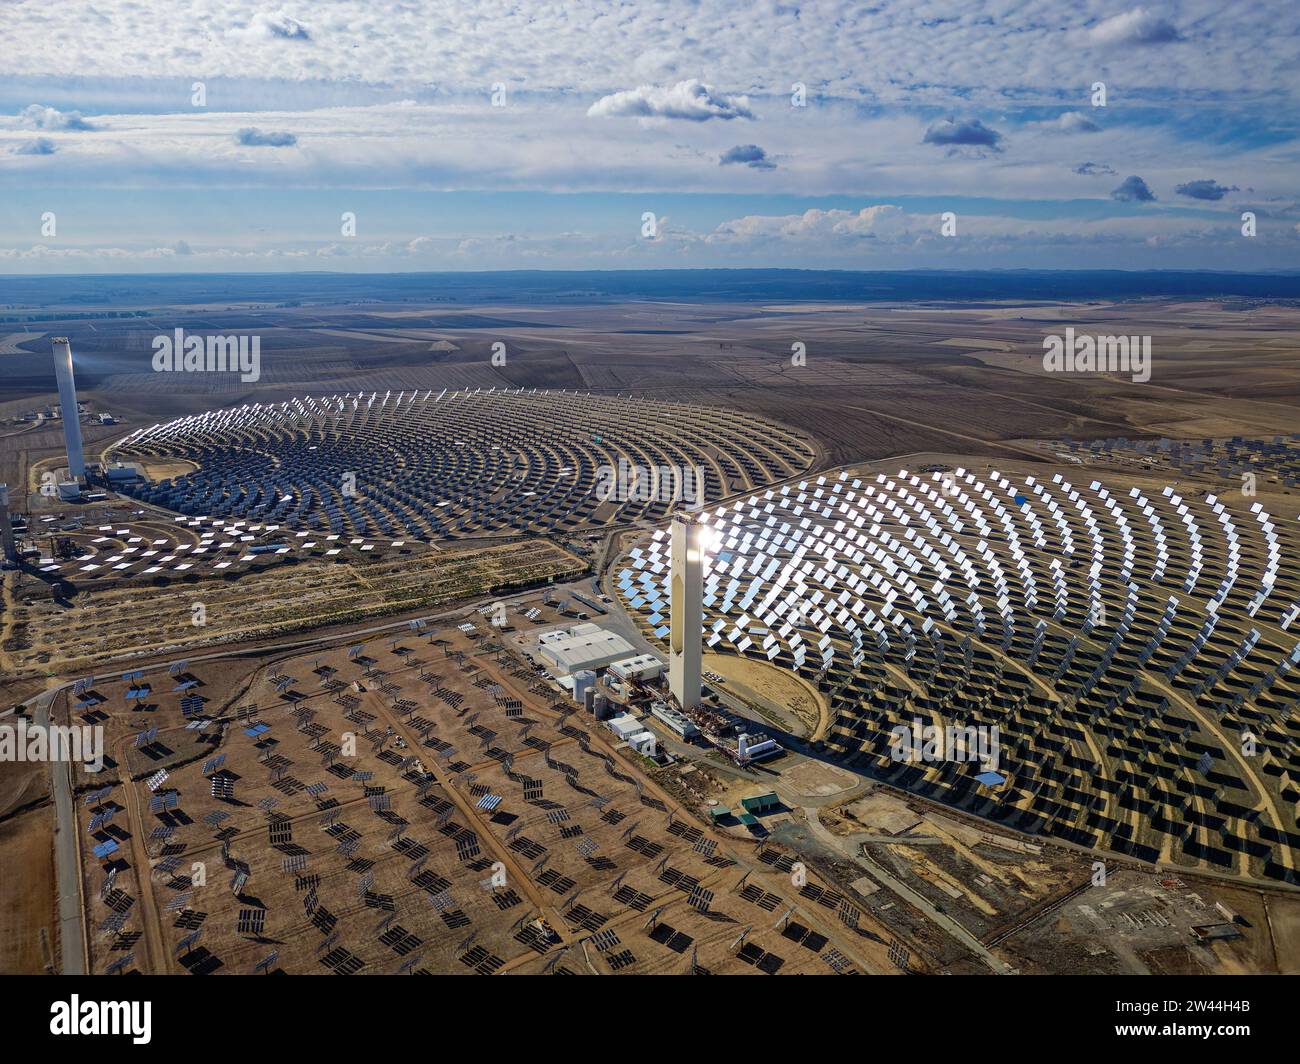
(962, 134)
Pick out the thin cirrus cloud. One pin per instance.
(689, 100)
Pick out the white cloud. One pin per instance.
(873, 237)
(390, 94)
(1138, 26)
(689, 100)
(35, 116)
(278, 26)
(884, 221)
(980, 52)
(552, 146)
(1076, 122)
(35, 146)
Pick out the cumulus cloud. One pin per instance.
(883, 220)
(690, 100)
(279, 25)
(962, 133)
(750, 155)
(37, 116)
(256, 138)
(37, 146)
(1138, 26)
(1205, 189)
(1076, 122)
(1133, 190)
(1095, 169)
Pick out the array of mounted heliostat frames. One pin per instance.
(440, 465)
(223, 545)
(1135, 653)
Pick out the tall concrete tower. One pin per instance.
(68, 407)
(686, 611)
(8, 549)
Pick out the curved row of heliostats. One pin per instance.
(1142, 635)
(438, 465)
(882, 537)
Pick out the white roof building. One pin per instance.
(584, 646)
(640, 667)
(624, 725)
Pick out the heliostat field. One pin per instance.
(1129, 649)
(467, 463)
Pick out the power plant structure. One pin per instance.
(8, 548)
(68, 408)
(686, 610)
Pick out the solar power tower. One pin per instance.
(686, 610)
(8, 549)
(68, 407)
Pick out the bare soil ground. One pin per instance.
(778, 690)
(144, 618)
(29, 930)
(879, 378)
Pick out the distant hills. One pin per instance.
(598, 286)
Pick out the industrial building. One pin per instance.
(624, 725)
(120, 474)
(674, 720)
(582, 647)
(639, 669)
(635, 734)
(751, 748)
(762, 803)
